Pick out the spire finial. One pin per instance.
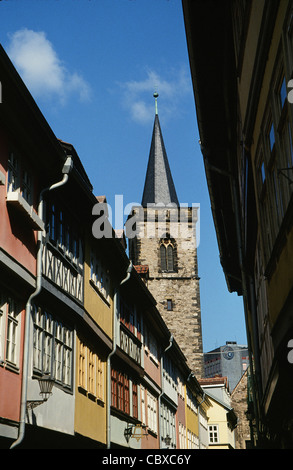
(156, 101)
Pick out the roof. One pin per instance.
(142, 269)
(159, 186)
(214, 381)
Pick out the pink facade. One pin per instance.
(17, 239)
(180, 417)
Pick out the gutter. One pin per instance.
(159, 398)
(198, 414)
(41, 235)
(115, 320)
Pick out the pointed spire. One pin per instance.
(159, 186)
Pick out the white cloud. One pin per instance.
(41, 69)
(137, 94)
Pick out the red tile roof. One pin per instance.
(213, 380)
(142, 269)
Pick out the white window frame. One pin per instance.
(152, 412)
(213, 432)
(99, 276)
(53, 343)
(2, 326)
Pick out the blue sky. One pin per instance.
(92, 67)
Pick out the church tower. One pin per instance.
(165, 241)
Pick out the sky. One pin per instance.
(92, 67)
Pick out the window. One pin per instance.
(100, 378)
(100, 278)
(120, 397)
(213, 434)
(130, 318)
(53, 348)
(274, 163)
(182, 436)
(90, 372)
(168, 254)
(91, 369)
(27, 186)
(19, 178)
(168, 424)
(151, 345)
(82, 366)
(63, 233)
(134, 401)
(142, 400)
(13, 173)
(191, 401)
(10, 325)
(169, 305)
(152, 412)
(12, 331)
(272, 137)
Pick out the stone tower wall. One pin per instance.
(180, 286)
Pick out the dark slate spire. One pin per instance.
(159, 186)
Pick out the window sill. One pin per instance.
(14, 199)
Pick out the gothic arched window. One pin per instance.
(167, 254)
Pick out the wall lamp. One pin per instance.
(46, 384)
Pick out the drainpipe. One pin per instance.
(41, 235)
(198, 414)
(115, 320)
(159, 399)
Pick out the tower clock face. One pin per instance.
(228, 353)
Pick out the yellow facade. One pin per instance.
(98, 305)
(191, 418)
(91, 354)
(90, 393)
(217, 417)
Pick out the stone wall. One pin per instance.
(180, 286)
(239, 403)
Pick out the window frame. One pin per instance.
(168, 254)
(19, 177)
(62, 348)
(213, 433)
(91, 373)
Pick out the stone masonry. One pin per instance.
(181, 286)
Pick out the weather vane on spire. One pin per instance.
(156, 101)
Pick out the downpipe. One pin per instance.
(160, 396)
(115, 320)
(41, 234)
